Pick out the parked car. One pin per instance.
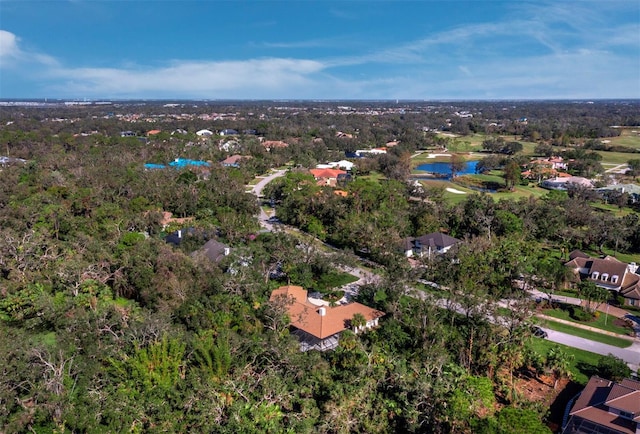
(539, 333)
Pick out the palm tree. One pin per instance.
(358, 322)
(558, 361)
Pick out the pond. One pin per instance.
(444, 168)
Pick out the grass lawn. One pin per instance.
(598, 323)
(586, 334)
(582, 365)
(613, 209)
(617, 157)
(624, 257)
(333, 280)
(627, 138)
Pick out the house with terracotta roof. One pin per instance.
(234, 160)
(609, 273)
(317, 324)
(605, 407)
(328, 177)
(435, 243)
(274, 144)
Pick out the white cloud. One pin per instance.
(8, 46)
(194, 79)
(12, 55)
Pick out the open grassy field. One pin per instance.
(616, 158)
(628, 137)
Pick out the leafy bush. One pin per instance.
(579, 314)
(613, 368)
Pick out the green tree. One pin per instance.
(634, 167)
(511, 174)
(613, 368)
(593, 294)
(457, 163)
(559, 362)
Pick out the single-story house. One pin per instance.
(342, 164)
(228, 145)
(215, 250)
(563, 183)
(204, 133)
(605, 407)
(318, 325)
(429, 244)
(234, 160)
(328, 176)
(367, 152)
(608, 273)
(274, 144)
(178, 236)
(228, 132)
(632, 190)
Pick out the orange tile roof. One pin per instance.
(274, 144)
(327, 173)
(308, 317)
(153, 132)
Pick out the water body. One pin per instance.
(443, 169)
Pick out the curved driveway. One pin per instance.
(257, 190)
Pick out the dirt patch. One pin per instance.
(540, 390)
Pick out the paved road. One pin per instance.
(631, 355)
(257, 190)
(613, 311)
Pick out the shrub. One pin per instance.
(579, 314)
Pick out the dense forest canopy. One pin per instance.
(108, 328)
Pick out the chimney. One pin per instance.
(322, 311)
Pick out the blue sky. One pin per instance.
(239, 49)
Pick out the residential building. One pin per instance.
(228, 132)
(215, 250)
(328, 177)
(609, 273)
(342, 164)
(633, 190)
(233, 161)
(564, 183)
(274, 144)
(428, 245)
(317, 324)
(605, 407)
(204, 133)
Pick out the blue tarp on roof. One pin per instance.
(183, 162)
(154, 166)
